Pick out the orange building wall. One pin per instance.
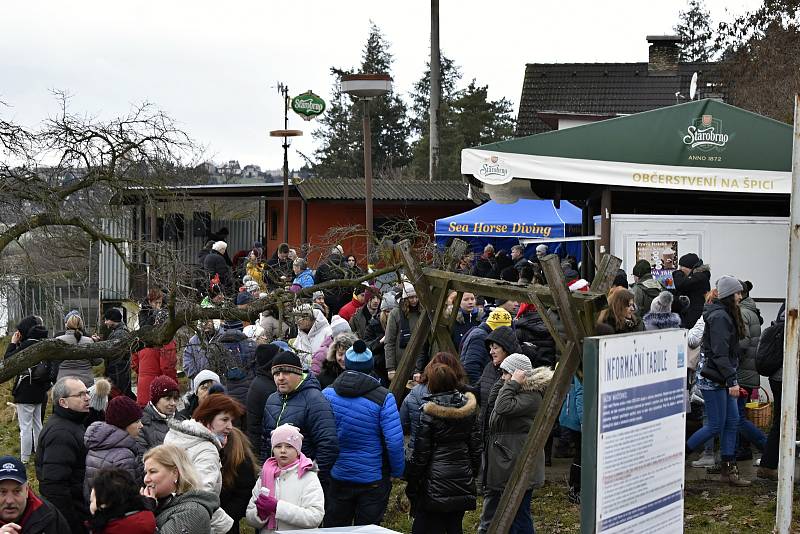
(321, 216)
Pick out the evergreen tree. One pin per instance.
(694, 29)
(468, 118)
(450, 75)
(340, 136)
(342, 151)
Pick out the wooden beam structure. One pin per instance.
(576, 312)
(568, 365)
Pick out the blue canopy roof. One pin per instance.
(524, 218)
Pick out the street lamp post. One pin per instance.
(365, 87)
(286, 134)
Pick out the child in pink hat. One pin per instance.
(288, 494)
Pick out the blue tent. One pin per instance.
(504, 224)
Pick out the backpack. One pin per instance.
(769, 356)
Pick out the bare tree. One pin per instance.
(761, 58)
(60, 183)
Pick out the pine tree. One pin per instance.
(694, 29)
(342, 151)
(468, 118)
(450, 75)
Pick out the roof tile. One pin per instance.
(384, 190)
(605, 88)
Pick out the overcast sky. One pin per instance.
(213, 66)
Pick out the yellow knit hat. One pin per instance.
(498, 317)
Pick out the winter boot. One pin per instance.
(766, 473)
(729, 473)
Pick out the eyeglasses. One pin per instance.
(81, 394)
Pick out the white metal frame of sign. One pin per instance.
(634, 430)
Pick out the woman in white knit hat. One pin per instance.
(514, 401)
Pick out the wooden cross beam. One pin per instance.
(568, 365)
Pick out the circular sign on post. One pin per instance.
(308, 105)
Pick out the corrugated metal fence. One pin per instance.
(49, 299)
(114, 279)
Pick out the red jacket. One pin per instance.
(151, 362)
(143, 522)
(347, 311)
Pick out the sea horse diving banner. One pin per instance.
(634, 433)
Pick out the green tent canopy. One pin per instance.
(702, 146)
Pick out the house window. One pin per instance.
(273, 223)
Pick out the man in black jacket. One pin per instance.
(21, 510)
(278, 271)
(692, 279)
(61, 458)
(118, 370)
(215, 263)
(262, 386)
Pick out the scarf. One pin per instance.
(271, 471)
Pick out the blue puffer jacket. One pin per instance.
(474, 354)
(304, 279)
(307, 409)
(572, 410)
(367, 422)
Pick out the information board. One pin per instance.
(634, 432)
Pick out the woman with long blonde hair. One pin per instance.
(172, 482)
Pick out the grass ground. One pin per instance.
(710, 507)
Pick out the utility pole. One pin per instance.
(791, 346)
(435, 83)
(284, 90)
(286, 133)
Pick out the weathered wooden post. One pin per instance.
(556, 391)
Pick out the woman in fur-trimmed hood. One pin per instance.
(444, 462)
(514, 402)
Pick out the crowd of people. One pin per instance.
(288, 422)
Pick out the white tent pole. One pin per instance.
(791, 360)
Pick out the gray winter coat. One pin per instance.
(747, 375)
(80, 368)
(187, 512)
(512, 415)
(392, 349)
(108, 446)
(154, 428)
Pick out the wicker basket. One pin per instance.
(760, 413)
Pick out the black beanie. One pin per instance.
(690, 261)
(641, 268)
(37, 332)
(26, 324)
(288, 362)
(265, 353)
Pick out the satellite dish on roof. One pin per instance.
(693, 87)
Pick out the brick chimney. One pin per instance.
(664, 54)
